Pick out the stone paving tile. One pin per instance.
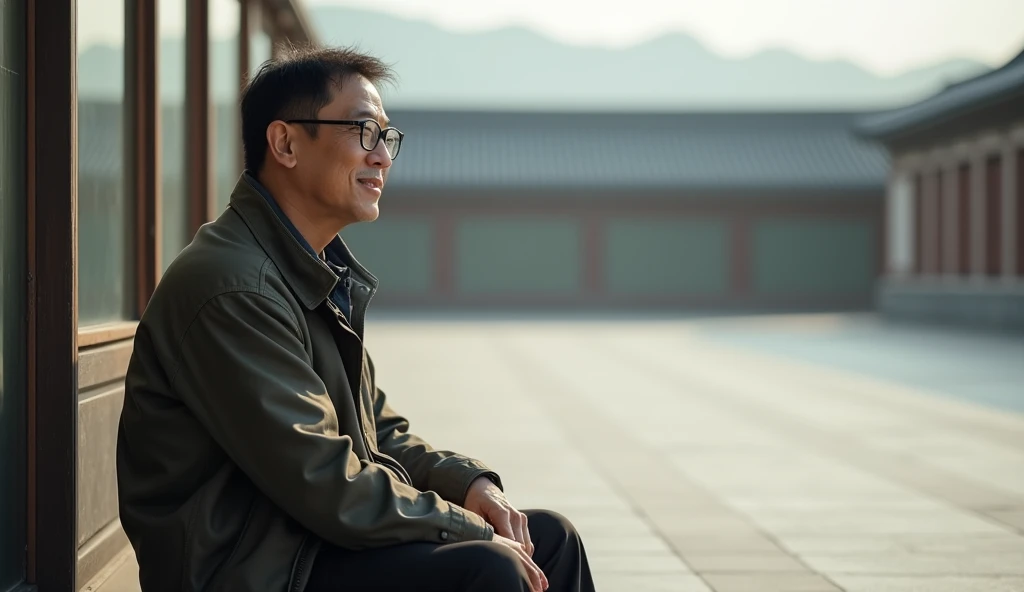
(716, 523)
(625, 545)
(875, 522)
(717, 544)
(615, 524)
(1014, 518)
(744, 563)
(852, 583)
(991, 463)
(613, 582)
(902, 563)
(933, 544)
(769, 582)
(639, 564)
(755, 505)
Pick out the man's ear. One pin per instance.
(280, 143)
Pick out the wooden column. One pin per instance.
(964, 219)
(1020, 212)
(197, 110)
(740, 256)
(445, 227)
(920, 244)
(937, 222)
(145, 154)
(977, 209)
(249, 18)
(1010, 229)
(993, 214)
(593, 253)
(950, 237)
(52, 190)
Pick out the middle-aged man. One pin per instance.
(255, 451)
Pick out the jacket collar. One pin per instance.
(307, 275)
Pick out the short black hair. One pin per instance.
(296, 84)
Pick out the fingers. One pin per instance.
(522, 533)
(527, 541)
(538, 581)
(502, 522)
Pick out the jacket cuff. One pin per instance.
(464, 525)
(476, 470)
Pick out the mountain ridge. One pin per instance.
(516, 68)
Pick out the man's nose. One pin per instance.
(379, 156)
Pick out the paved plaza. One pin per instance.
(810, 453)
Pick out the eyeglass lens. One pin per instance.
(372, 134)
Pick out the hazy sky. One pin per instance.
(887, 36)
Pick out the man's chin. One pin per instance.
(369, 213)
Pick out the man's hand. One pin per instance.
(484, 498)
(538, 581)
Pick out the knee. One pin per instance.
(546, 524)
(498, 567)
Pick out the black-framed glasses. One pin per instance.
(370, 133)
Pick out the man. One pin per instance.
(255, 451)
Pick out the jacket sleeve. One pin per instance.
(244, 372)
(445, 472)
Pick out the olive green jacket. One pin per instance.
(252, 429)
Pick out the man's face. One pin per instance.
(334, 169)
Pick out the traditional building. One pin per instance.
(628, 212)
(955, 203)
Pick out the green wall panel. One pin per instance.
(400, 252)
(664, 257)
(521, 256)
(809, 256)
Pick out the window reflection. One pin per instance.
(12, 294)
(105, 256)
(225, 82)
(171, 67)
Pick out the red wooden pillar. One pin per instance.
(444, 256)
(593, 255)
(919, 225)
(963, 222)
(993, 216)
(740, 255)
(938, 201)
(1020, 213)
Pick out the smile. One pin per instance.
(372, 183)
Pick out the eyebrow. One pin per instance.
(370, 114)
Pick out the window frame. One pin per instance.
(53, 338)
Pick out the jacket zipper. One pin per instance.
(398, 469)
(300, 565)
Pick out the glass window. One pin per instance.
(12, 294)
(225, 82)
(105, 225)
(260, 47)
(171, 66)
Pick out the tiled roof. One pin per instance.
(726, 151)
(1003, 85)
(715, 151)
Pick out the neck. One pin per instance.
(317, 227)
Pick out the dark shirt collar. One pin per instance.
(337, 252)
(280, 213)
(337, 258)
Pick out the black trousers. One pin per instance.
(475, 566)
